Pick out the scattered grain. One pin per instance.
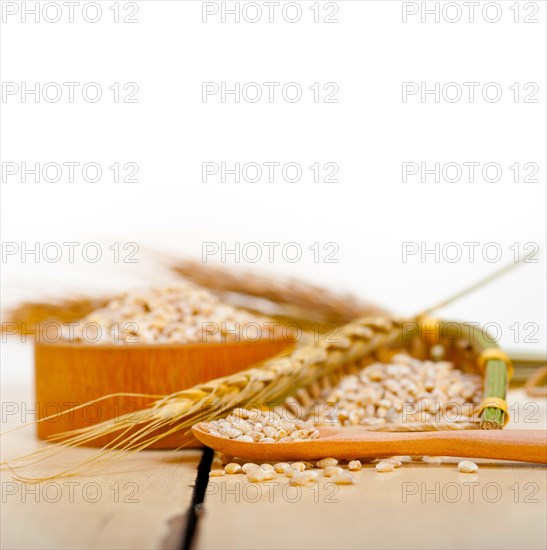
(248, 466)
(385, 466)
(324, 462)
(303, 478)
(256, 475)
(355, 465)
(232, 468)
(344, 478)
(280, 467)
(467, 467)
(331, 471)
(298, 466)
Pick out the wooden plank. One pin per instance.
(140, 502)
(420, 505)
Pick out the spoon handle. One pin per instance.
(525, 445)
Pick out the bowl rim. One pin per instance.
(139, 345)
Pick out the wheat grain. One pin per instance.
(232, 468)
(256, 475)
(344, 478)
(303, 478)
(325, 462)
(331, 471)
(385, 466)
(280, 467)
(248, 466)
(467, 467)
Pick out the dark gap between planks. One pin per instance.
(198, 496)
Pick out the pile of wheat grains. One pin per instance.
(176, 314)
(256, 426)
(405, 390)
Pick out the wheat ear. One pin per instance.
(266, 384)
(294, 298)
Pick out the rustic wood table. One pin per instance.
(145, 501)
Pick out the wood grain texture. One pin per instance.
(68, 375)
(350, 443)
(139, 502)
(420, 505)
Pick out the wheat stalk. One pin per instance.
(294, 298)
(286, 300)
(268, 383)
(26, 316)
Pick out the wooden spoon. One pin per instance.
(349, 443)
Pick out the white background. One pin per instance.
(369, 133)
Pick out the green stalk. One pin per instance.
(495, 385)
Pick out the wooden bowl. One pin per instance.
(68, 374)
